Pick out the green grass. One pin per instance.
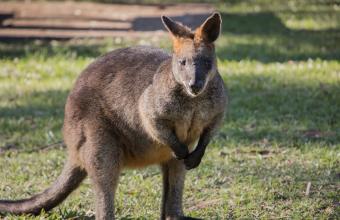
(281, 64)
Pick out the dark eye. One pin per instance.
(182, 62)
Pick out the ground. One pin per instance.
(64, 20)
(280, 62)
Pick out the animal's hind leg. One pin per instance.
(103, 163)
(173, 184)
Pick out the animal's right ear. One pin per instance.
(176, 29)
(210, 29)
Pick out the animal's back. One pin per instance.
(131, 68)
(109, 88)
(119, 77)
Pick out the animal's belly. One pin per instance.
(155, 154)
(187, 134)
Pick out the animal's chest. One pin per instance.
(190, 125)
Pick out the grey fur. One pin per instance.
(132, 108)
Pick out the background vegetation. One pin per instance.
(280, 61)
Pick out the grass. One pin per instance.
(281, 64)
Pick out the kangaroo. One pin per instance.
(135, 107)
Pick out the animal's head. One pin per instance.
(194, 60)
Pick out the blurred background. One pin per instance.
(280, 60)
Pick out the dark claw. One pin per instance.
(191, 163)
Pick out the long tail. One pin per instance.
(69, 180)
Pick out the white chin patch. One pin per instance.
(190, 93)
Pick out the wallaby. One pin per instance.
(135, 107)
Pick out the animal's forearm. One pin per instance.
(208, 133)
(194, 159)
(168, 137)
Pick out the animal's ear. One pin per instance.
(210, 29)
(175, 28)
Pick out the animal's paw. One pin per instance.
(191, 162)
(182, 153)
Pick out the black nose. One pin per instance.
(196, 86)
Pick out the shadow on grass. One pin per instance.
(37, 104)
(31, 121)
(10, 49)
(264, 108)
(260, 108)
(269, 40)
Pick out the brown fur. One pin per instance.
(131, 108)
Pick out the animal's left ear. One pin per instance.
(176, 29)
(210, 29)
